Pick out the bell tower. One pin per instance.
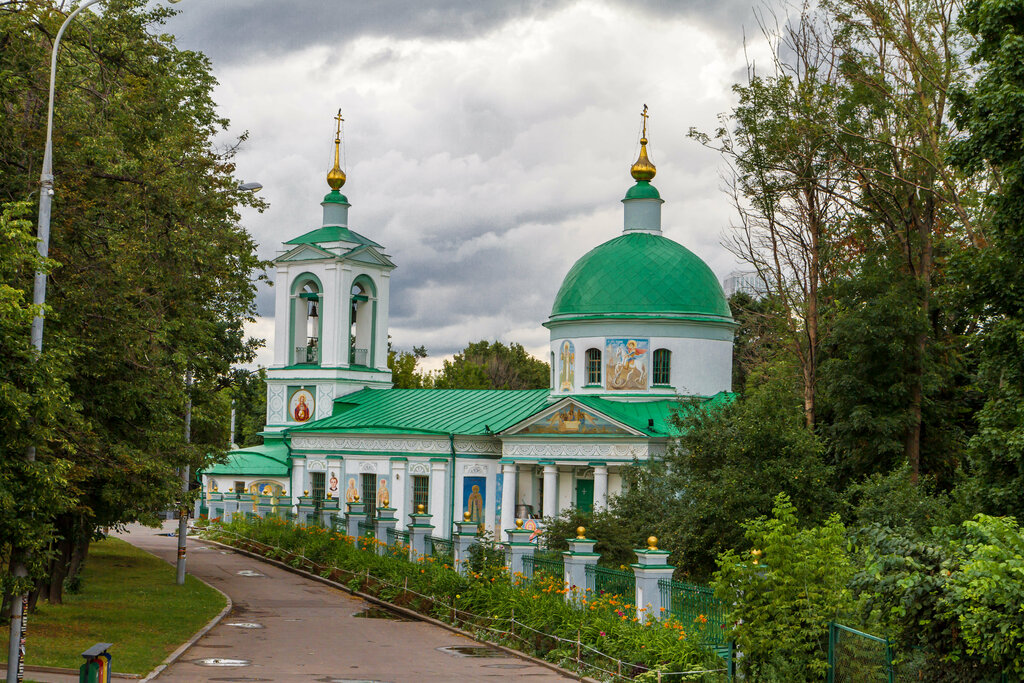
(331, 313)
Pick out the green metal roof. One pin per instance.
(430, 411)
(643, 274)
(637, 414)
(643, 190)
(332, 233)
(270, 459)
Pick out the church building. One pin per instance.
(638, 323)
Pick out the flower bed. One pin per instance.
(601, 636)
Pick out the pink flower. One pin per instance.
(602, 634)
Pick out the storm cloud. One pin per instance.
(487, 144)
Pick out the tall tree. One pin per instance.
(156, 277)
(784, 179)
(899, 62)
(991, 110)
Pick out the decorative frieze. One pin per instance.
(395, 444)
(564, 449)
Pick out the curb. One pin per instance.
(403, 611)
(173, 657)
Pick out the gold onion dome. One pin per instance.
(643, 169)
(336, 177)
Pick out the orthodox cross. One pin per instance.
(643, 114)
(337, 135)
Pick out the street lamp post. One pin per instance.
(16, 650)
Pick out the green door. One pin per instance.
(585, 495)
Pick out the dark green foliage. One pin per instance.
(155, 275)
(403, 368)
(492, 365)
(890, 500)
(248, 394)
(992, 112)
(729, 465)
(617, 534)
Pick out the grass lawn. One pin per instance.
(128, 598)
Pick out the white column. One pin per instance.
(398, 492)
(383, 320)
(508, 498)
(437, 499)
(298, 479)
(550, 508)
(566, 489)
(329, 326)
(282, 319)
(344, 315)
(600, 487)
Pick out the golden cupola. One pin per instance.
(643, 169)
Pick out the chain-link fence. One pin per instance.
(857, 657)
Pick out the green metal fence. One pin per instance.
(856, 657)
(338, 523)
(697, 607)
(440, 547)
(549, 565)
(602, 580)
(366, 530)
(395, 536)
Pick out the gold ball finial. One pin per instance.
(519, 524)
(305, 492)
(355, 498)
(214, 487)
(652, 542)
(420, 509)
(643, 169)
(336, 177)
(231, 489)
(384, 502)
(283, 492)
(466, 516)
(581, 532)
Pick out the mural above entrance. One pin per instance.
(626, 368)
(572, 420)
(301, 405)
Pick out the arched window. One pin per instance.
(307, 303)
(593, 366)
(662, 366)
(364, 321)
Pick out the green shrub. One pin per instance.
(783, 593)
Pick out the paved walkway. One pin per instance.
(308, 632)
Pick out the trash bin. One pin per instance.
(97, 664)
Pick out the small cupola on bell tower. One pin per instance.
(335, 203)
(642, 203)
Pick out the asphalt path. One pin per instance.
(285, 627)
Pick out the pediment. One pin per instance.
(367, 254)
(305, 252)
(570, 418)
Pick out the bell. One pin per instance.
(312, 310)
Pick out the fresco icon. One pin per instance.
(474, 492)
(626, 368)
(567, 366)
(301, 405)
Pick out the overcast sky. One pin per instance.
(487, 143)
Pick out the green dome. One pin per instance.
(644, 275)
(643, 190)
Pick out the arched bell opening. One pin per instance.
(362, 333)
(307, 304)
